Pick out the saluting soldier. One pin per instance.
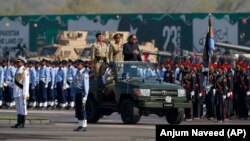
(100, 53)
(81, 91)
(21, 91)
(116, 49)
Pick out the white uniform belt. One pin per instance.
(42, 79)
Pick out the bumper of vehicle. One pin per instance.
(177, 103)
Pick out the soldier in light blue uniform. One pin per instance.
(43, 84)
(81, 90)
(1, 83)
(32, 72)
(50, 84)
(8, 90)
(37, 69)
(60, 80)
(55, 69)
(71, 71)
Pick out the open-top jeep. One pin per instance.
(134, 89)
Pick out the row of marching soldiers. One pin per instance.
(224, 94)
(50, 84)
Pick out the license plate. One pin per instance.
(167, 104)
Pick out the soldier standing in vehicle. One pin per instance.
(115, 53)
(81, 91)
(21, 91)
(131, 50)
(100, 53)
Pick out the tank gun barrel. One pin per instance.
(160, 53)
(233, 47)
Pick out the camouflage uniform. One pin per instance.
(115, 53)
(100, 53)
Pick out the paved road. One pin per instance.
(108, 128)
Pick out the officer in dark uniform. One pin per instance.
(81, 90)
(220, 95)
(169, 73)
(209, 97)
(195, 93)
(229, 100)
(244, 81)
(186, 83)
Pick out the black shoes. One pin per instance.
(20, 121)
(80, 128)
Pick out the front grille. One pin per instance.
(157, 92)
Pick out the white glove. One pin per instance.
(84, 100)
(5, 84)
(200, 94)
(1, 86)
(52, 87)
(248, 93)
(46, 86)
(192, 93)
(224, 97)
(214, 91)
(228, 94)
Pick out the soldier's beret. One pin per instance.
(70, 61)
(64, 62)
(79, 61)
(31, 62)
(20, 58)
(98, 34)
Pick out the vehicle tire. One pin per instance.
(130, 112)
(175, 116)
(93, 114)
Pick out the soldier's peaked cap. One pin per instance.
(20, 58)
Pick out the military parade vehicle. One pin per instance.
(68, 45)
(134, 89)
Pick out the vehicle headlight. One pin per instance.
(142, 92)
(181, 93)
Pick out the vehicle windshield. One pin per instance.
(48, 51)
(135, 69)
(86, 52)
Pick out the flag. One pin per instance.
(209, 44)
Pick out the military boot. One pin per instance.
(18, 122)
